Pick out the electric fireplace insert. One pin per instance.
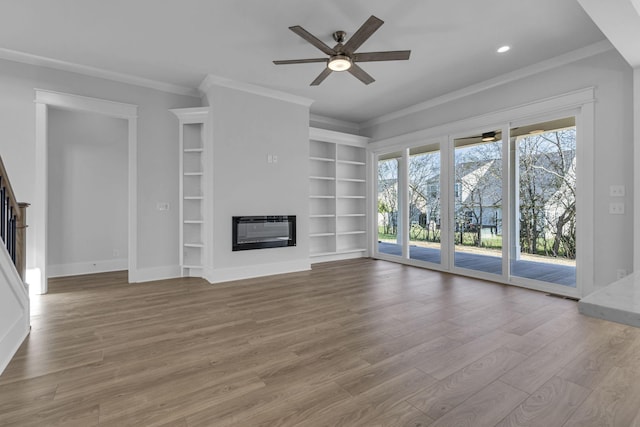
(263, 232)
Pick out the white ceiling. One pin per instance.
(453, 43)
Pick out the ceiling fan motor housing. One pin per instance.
(339, 36)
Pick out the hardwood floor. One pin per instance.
(354, 343)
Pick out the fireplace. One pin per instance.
(263, 232)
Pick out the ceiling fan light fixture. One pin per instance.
(488, 136)
(339, 63)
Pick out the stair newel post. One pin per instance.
(21, 241)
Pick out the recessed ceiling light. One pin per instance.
(503, 49)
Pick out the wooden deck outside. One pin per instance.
(538, 270)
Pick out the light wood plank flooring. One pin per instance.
(354, 343)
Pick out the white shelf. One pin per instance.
(193, 197)
(193, 245)
(193, 174)
(351, 162)
(337, 201)
(193, 150)
(351, 179)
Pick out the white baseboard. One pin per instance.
(338, 257)
(250, 271)
(154, 273)
(89, 267)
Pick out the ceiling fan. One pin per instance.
(343, 56)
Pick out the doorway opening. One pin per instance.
(37, 273)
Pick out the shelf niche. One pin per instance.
(193, 128)
(337, 195)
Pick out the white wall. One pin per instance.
(87, 178)
(14, 310)
(157, 151)
(612, 78)
(246, 128)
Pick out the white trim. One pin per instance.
(334, 123)
(156, 273)
(191, 115)
(45, 99)
(42, 61)
(12, 336)
(324, 135)
(250, 271)
(337, 257)
(73, 102)
(549, 64)
(88, 267)
(636, 169)
(213, 80)
(547, 106)
(585, 199)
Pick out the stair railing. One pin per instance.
(13, 223)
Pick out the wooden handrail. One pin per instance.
(13, 223)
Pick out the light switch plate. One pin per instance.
(616, 191)
(616, 208)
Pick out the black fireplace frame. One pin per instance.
(237, 220)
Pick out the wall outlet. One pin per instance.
(616, 208)
(162, 206)
(621, 273)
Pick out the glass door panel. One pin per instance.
(424, 204)
(389, 207)
(477, 206)
(544, 202)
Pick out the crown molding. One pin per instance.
(325, 135)
(213, 80)
(41, 61)
(334, 123)
(555, 62)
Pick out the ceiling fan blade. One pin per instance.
(312, 39)
(363, 33)
(391, 55)
(361, 74)
(323, 75)
(299, 61)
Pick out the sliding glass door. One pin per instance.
(390, 210)
(497, 204)
(424, 232)
(544, 202)
(477, 202)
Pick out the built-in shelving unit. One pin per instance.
(192, 134)
(337, 195)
